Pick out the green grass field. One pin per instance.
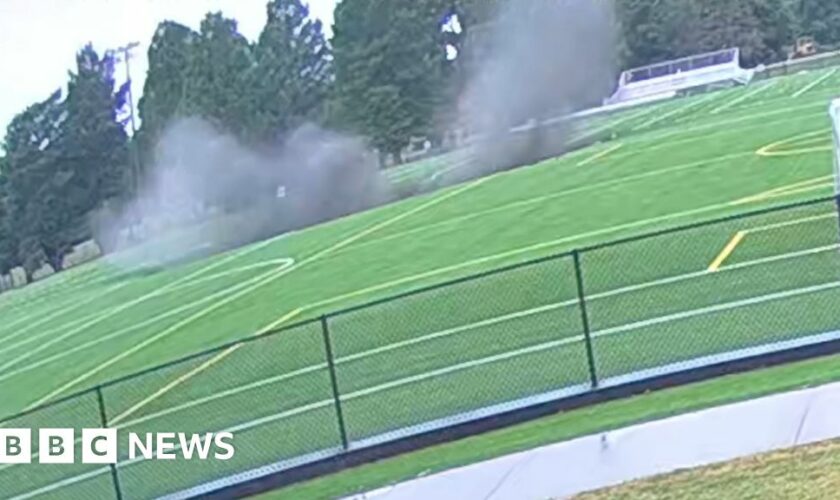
(431, 356)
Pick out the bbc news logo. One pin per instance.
(100, 446)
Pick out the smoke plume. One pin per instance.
(206, 192)
(536, 61)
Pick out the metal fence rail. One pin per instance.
(426, 360)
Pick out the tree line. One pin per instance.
(390, 72)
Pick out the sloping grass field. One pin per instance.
(804, 472)
(449, 353)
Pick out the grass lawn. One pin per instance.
(806, 472)
(401, 366)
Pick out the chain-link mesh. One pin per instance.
(58, 480)
(456, 350)
(713, 290)
(273, 394)
(467, 349)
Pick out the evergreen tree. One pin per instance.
(31, 141)
(8, 243)
(293, 73)
(164, 92)
(390, 68)
(218, 73)
(65, 157)
(820, 19)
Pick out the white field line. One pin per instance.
(594, 186)
(87, 282)
(192, 373)
(282, 261)
(500, 319)
(174, 383)
(658, 137)
(804, 220)
(235, 347)
(96, 317)
(171, 312)
(522, 250)
(374, 288)
(242, 290)
(465, 366)
(58, 312)
(107, 314)
(681, 109)
(744, 96)
(597, 186)
(813, 84)
(252, 285)
(472, 326)
(614, 123)
(119, 333)
(116, 310)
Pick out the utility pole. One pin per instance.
(125, 53)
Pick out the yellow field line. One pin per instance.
(599, 155)
(803, 189)
(727, 251)
(784, 193)
(785, 190)
(192, 373)
(768, 150)
(813, 84)
(253, 284)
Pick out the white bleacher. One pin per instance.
(666, 79)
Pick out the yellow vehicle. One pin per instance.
(805, 46)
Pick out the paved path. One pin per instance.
(690, 440)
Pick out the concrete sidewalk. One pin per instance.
(591, 462)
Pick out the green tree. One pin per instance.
(658, 30)
(760, 28)
(649, 29)
(164, 92)
(8, 243)
(218, 74)
(293, 71)
(820, 19)
(30, 143)
(64, 158)
(390, 69)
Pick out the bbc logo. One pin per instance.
(100, 446)
(58, 446)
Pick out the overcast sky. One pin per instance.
(39, 38)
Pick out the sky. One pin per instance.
(39, 38)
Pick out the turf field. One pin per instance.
(431, 356)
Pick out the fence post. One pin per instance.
(837, 195)
(104, 420)
(584, 316)
(325, 328)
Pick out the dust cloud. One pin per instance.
(206, 192)
(533, 64)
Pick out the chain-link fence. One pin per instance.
(426, 360)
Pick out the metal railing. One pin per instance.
(425, 360)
